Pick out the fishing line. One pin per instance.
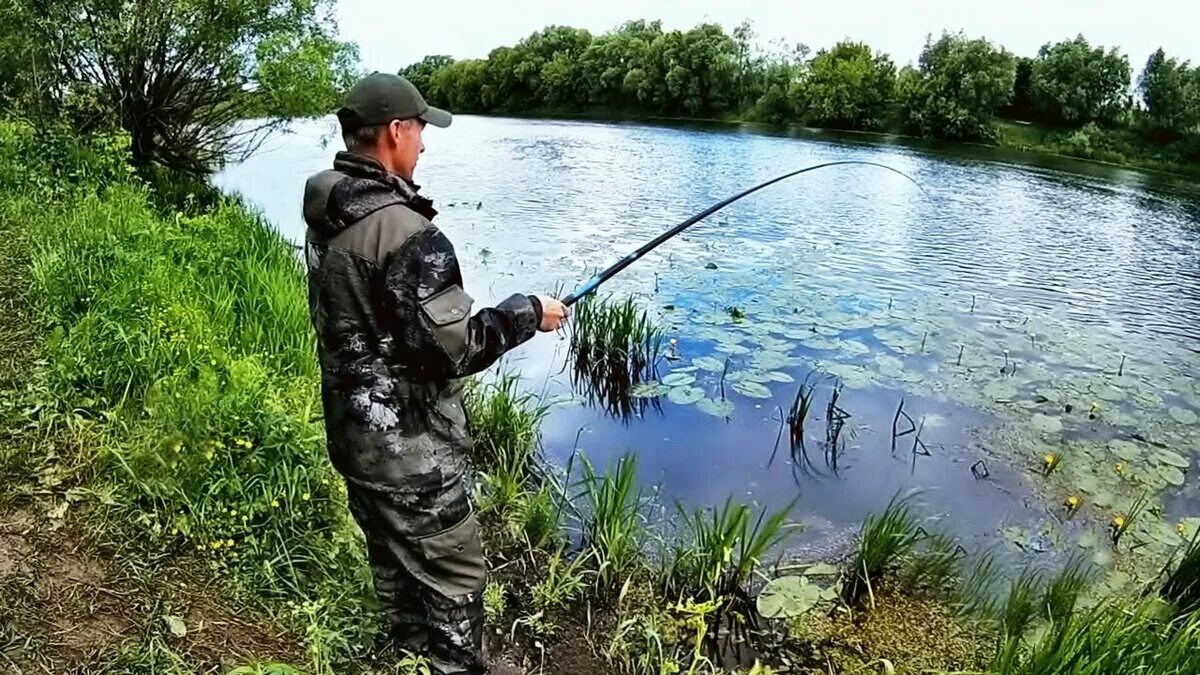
(592, 284)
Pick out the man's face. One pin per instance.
(405, 146)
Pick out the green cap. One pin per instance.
(380, 98)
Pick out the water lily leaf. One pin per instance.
(890, 365)
(829, 594)
(688, 369)
(822, 570)
(731, 348)
(677, 379)
(1171, 458)
(716, 407)
(1104, 499)
(710, 364)
(1046, 424)
(752, 389)
(1183, 416)
(649, 390)
(1000, 390)
(685, 395)
(787, 597)
(1110, 393)
(747, 376)
(821, 343)
(1102, 557)
(1189, 527)
(1088, 540)
(853, 347)
(1172, 475)
(772, 361)
(1127, 451)
(778, 376)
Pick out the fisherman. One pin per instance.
(395, 334)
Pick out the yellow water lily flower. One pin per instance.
(1072, 502)
(1181, 529)
(1049, 459)
(1120, 467)
(1119, 522)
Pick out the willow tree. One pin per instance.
(183, 76)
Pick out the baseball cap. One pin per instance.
(380, 98)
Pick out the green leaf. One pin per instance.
(787, 597)
(1102, 557)
(1046, 424)
(1183, 416)
(1127, 451)
(175, 625)
(1000, 390)
(822, 570)
(1172, 475)
(778, 376)
(752, 389)
(710, 364)
(1171, 458)
(685, 395)
(649, 390)
(676, 379)
(716, 408)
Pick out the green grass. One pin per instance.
(1182, 585)
(884, 540)
(614, 528)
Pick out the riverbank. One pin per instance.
(159, 414)
(1115, 148)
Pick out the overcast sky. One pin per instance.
(392, 34)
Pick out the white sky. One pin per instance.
(392, 34)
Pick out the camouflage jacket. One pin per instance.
(394, 329)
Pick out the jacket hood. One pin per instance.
(353, 189)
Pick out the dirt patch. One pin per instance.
(13, 554)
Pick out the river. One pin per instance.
(1019, 306)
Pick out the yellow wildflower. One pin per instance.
(216, 544)
(1119, 522)
(1120, 467)
(274, 503)
(1072, 502)
(228, 543)
(306, 496)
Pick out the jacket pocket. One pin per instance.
(448, 312)
(454, 559)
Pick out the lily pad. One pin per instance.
(1000, 390)
(1183, 416)
(1102, 557)
(649, 390)
(732, 348)
(1104, 499)
(1128, 452)
(822, 570)
(778, 376)
(685, 395)
(853, 347)
(676, 379)
(821, 343)
(1088, 540)
(787, 597)
(752, 389)
(1110, 393)
(772, 360)
(1171, 458)
(709, 363)
(1172, 475)
(889, 365)
(1046, 424)
(716, 407)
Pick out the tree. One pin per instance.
(958, 88)
(421, 75)
(1170, 91)
(1073, 84)
(849, 88)
(180, 75)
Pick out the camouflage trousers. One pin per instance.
(429, 572)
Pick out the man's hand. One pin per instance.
(554, 313)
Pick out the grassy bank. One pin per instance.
(162, 408)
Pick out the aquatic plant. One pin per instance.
(1064, 589)
(1020, 606)
(801, 406)
(883, 540)
(612, 523)
(614, 347)
(1182, 585)
(933, 563)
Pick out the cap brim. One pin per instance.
(437, 117)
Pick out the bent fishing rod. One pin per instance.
(592, 284)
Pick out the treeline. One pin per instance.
(959, 89)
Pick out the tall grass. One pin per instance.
(614, 346)
(614, 528)
(885, 538)
(1182, 585)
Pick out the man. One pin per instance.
(394, 333)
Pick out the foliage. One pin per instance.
(177, 75)
(847, 87)
(1171, 93)
(1072, 83)
(959, 87)
(1182, 585)
(885, 538)
(614, 528)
